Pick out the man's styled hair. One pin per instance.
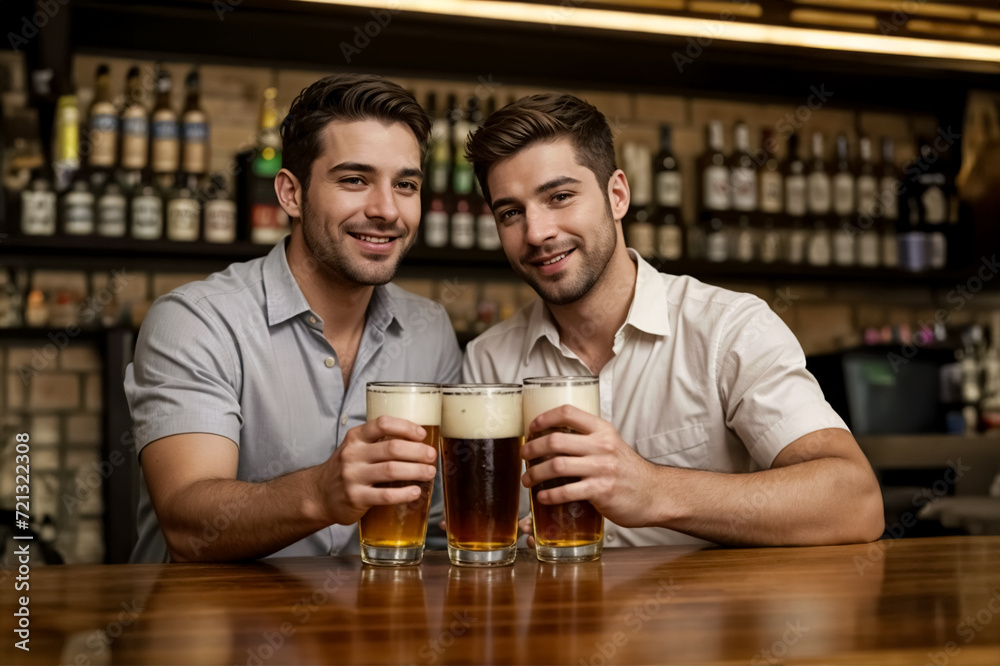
(347, 97)
(544, 117)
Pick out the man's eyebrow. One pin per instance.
(353, 166)
(410, 173)
(544, 187)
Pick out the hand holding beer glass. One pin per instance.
(573, 531)
(481, 435)
(394, 535)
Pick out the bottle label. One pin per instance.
(111, 215)
(888, 197)
(670, 242)
(867, 188)
(487, 236)
(717, 246)
(890, 250)
(744, 246)
(462, 181)
(147, 217)
(268, 223)
(220, 221)
(79, 213)
(937, 250)
(38, 213)
(744, 184)
(195, 132)
(868, 250)
(843, 248)
(182, 220)
(935, 205)
(797, 239)
(913, 251)
(770, 247)
(135, 144)
(641, 236)
(818, 253)
(716, 182)
(165, 130)
(668, 189)
(463, 230)
(795, 196)
(135, 126)
(819, 194)
(439, 176)
(843, 194)
(103, 139)
(770, 192)
(436, 228)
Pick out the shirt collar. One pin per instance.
(285, 300)
(648, 312)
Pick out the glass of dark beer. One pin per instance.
(481, 438)
(574, 531)
(393, 535)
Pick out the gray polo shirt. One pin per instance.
(241, 355)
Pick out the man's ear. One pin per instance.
(618, 194)
(289, 192)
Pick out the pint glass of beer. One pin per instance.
(481, 439)
(574, 531)
(393, 535)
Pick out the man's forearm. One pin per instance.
(823, 501)
(216, 520)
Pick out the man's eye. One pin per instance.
(407, 185)
(509, 213)
(562, 196)
(352, 180)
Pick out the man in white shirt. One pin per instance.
(711, 428)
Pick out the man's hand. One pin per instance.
(613, 477)
(386, 449)
(526, 527)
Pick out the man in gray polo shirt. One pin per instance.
(248, 388)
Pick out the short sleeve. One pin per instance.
(184, 377)
(768, 397)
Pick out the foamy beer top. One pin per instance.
(544, 393)
(419, 403)
(481, 411)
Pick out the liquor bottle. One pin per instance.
(846, 231)
(639, 231)
(267, 219)
(147, 211)
(462, 222)
(888, 205)
(66, 144)
(666, 172)
(743, 177)
(38, 206)
(194, 128)
(487, 236)
(911, 225)
(111, 207)
(134, 125)
(794, 172)
(771, 242)
(103, 134)
(716, 240)
(936, 207)
(183, 212)
(78, 208)
(770, 179)
(220, 213)
(715, 192)
(439, 150)
(866, 187)
(165, 151)
(436, 223)
(669, 235)
(819, 250)
(744, 240)
(818, 180)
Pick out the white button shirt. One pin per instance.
(701, 377)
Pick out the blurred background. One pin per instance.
(839, 159)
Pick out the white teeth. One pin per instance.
(373, 239)
(554, 260)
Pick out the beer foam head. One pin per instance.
(481, 412)
(580, 392)
(421, 405)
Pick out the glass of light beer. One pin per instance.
(393, 535)
(574, 531)
(481, 436)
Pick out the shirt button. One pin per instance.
(312, 320)
(343, 420)
(330, 361)
(610, 537)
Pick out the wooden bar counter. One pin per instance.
(919, 601)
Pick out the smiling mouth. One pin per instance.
(378, 240)
(554, 259)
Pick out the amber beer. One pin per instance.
(574, 531)
(481, 437)
(393, 535)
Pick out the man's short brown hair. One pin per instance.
(544, 117)
(346, 97)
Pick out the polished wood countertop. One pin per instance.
(916, 601)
